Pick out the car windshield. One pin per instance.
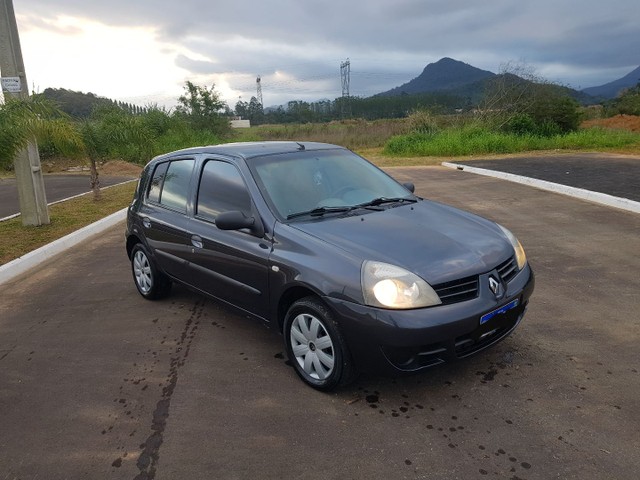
(319, 182)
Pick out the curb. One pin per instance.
(20, 265)
(582, 194)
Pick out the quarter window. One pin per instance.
(221, 189)
(175, 187)
(156, 182)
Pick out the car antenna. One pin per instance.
(300, 145)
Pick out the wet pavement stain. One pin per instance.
(453, 422)
(150, 454)
(282, 356)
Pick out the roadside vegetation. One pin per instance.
(66, 217)
(518, 113)
(475, 139)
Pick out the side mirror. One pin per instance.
(409, 186)
(236, 220)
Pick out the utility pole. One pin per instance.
(345, 76)
(33, 201)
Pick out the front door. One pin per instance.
(229, 265)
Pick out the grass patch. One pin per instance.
(16, 240)
(455, 142)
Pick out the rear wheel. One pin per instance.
(315, 345)
(150, 282)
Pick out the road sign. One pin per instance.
(11, 84)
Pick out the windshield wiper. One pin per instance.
(319, 211)
(381, 200)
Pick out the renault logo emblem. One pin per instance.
(494, 285)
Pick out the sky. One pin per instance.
(143, 51)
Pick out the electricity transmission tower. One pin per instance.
(345, 75)
(259, 92)
(29, 180)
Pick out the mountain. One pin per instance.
(466, 82)
(446, 74)
(612, 89)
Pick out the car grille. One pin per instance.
(457, 290)
(467, 288)
(508, 269)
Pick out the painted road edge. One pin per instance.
(21, 265)
(15, 215)
(596, 197)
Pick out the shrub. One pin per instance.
(421, 121)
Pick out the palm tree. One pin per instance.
(21, 120)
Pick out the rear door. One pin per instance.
(164, 215)
(229, 265)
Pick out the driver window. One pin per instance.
(221, 189)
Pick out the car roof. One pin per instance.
(249, 150)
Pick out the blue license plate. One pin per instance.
(488, 316)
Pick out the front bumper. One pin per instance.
(396, 341)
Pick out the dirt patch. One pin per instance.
(120, 167)
(61, 165)
(619, 122)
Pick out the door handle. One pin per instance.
(146, 222)
(196, 241)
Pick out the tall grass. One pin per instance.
(476, 140)
(179, 139)
(353, 134)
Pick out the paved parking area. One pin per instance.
(617, 175)
(96, 382)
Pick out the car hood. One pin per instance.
(437, 242)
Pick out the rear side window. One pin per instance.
(156, 182)
(221, 189)
(170, 184)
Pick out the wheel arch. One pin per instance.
(292, 295)
(132, 241)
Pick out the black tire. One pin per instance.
(150, 282)
(315, 346)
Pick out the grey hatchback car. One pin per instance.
(356, 271)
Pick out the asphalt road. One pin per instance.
(617, 175)
(96, 382)
(57, 187)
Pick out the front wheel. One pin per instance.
(315, 346)
(150, 282)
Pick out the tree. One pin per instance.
(114, 133)
(255, 112)
(202, 106)
(242, 109)
(35, 116)
(517, 100)
(627, 103)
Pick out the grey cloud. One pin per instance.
(309, 39)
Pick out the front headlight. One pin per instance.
(521, 257)
(389, 286)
